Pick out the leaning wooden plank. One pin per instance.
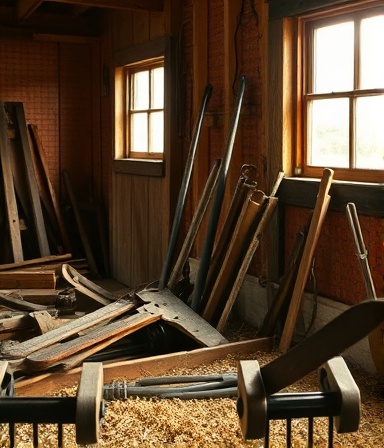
(99, 316)
(83, 234)
(35, 261)
(314, 230)
(33, 189)
(28, 279)
(246, 186)
(177, 313)
(41, 157)
(272, 202)
(9, 191)
(97, 339)
(151, 366)
(241, 237)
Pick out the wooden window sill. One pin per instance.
(139, 167)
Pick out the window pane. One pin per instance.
(370, 133)
(157, 88)
(328, 130)
(139, 133)
(372, 61)
(156, 142)
(140, 91)
(333, 58)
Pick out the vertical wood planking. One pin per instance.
(140, 229)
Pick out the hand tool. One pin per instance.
(256, 385)
(217, 203)
(375, 338)
(86, 410)
(339, 398)
(186, 387)
(184, 189)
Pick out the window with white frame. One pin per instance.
(343, 93)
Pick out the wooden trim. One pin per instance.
(134, 5)
(151, 366)
(369, 198)
(148, 167)
(285, 8)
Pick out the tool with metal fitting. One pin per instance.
(86, 410)
(259, 402)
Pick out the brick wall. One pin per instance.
(29, 74)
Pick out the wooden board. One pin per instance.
(9, 191)
(180, 315)
(28, 279)
(32, 183)
(317, 220)
(151, 366)
(97, 339)
(89, 320)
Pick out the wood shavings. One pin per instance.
(139, 422)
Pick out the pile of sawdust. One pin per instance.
(138, 422)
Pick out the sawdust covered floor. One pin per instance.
(138, 422)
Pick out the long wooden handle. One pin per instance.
(362, 252)
(317, 220)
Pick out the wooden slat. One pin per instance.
(35, 261)
(27, 279)
(317, 220)
(32, 183)
(233, 256)
(10, 197)
(83, 234)
(136, 5)
(246, 262)
(89, 320)
(46, 185)
(98, 338)
(151, 366)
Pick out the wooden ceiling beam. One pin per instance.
(143, 5)
(24, 8)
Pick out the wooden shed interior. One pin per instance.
(64, 60)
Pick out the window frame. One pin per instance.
(130, 70)
(122, 161)
(305, 25)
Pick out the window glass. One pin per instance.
(328, 133)
(333, 58)
(370, 132)
(371, 47)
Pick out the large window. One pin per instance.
(145, 110)
(342, 93)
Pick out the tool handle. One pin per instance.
(362, 252)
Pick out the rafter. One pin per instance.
(144, 5)
(25, 8)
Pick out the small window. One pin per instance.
(343, 94)
(145, 110)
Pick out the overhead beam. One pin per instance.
(24, 8)
(143, 5)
